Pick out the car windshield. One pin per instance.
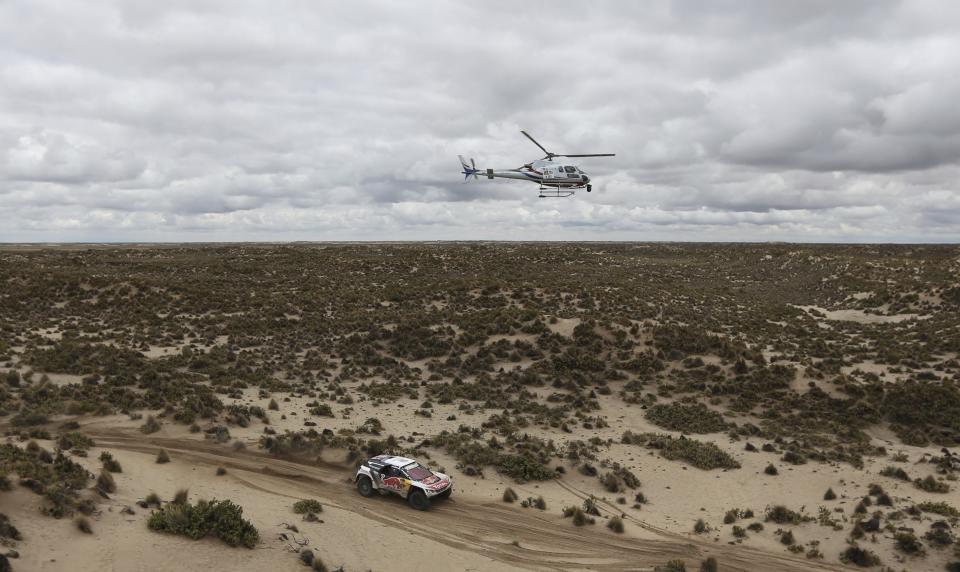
(417, 472)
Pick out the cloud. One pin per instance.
(225, 120)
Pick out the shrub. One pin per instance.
(709, 565)
(509, 495)
(611, 483)
(755, 526)
(580, 518)
(322, 410)
(28, 419)
(105, 482)
(894, 472)
(695, 418)
(7, 530)
(163, 457)
(308, 505)
(739, 532)
(306, 556)
(83, 524)
(941, 508)
(859, 556)
(782, 515)
(700, 526)
(731, 516)
(220, 519)
(931, 485)
(794, 458)
(273, 406)
(109, 463)
(74, 440)
(939, 537)
(672, 566)
(787, 538)
(181, 497)
(701, 455)
(829, 495)
(150, 426)
(152, 499)
(771, 470)
(616, 524)
(907, 542)
(221, 471)
(522, 467)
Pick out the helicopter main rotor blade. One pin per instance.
(590, 155)
(549, 154)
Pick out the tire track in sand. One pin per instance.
(463, 524)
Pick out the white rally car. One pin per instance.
(387, 474)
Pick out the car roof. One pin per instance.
(393, 461)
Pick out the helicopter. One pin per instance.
(556, 179)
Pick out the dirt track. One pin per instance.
(467, 525)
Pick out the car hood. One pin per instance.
(436, 481)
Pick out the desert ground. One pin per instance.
(644, 406)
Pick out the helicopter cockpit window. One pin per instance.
(570, 169)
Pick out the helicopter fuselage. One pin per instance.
(544, 173)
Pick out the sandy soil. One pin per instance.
(472, 531)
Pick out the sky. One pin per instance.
(233, 120)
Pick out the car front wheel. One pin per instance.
(418, 500)
(365, 486)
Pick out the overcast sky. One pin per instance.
(188, 120)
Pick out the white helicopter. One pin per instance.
(556, 180)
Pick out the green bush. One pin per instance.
(616, 524)
(305, 506)
(151, 425)
(696, 418)
(907, 542)
(782, 515)
(701, 455)
(895, 472)
(931, 485)
(509, 495)
(105, 482)
(672, 566)
(859, 556)
(522, 467)
(109, 463)
(220, 519)
(941, 508)
(74, 440)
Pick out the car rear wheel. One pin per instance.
(418, 500)
(365, 486)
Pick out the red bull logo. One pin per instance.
(393, 482)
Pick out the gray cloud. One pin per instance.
(238, 120)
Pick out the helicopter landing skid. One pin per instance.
(555, 194)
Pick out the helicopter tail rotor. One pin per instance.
(468, 170)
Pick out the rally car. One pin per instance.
(388, 474)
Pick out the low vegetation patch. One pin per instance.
(702, 455)
(220, 519)
(692, 418)
(308, 505)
